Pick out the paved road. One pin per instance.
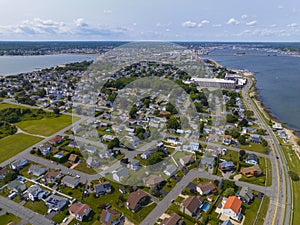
(280, 208)
(22, 212)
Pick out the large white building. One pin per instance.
(214, 82)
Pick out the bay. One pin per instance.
(11, 65)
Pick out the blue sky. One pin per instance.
(198, 20)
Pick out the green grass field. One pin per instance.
(7, 105)
(8, 217)
(14, 144)
(263, 211)
(255, 148)
(294, 165)
(46, 126)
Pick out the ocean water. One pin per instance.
(278, 83)
(10, 65)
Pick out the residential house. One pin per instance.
(108, 137)
(111, 217)
(79, 210)
(192, 147)
(35, 192)
(232, 208)
(246, 195)
(56, 140)
(74, 144)
(103, 188)
(227, 139)
(174, 219)
(206, 188)
(52, 176)
(16, 186)
(120, 175)
(134, 165)
(136, 199)
(3, 172)
(191, 205)
(55, 203)
(19, 164)
(171, 170)
(251, 171)
(45, 149)
(212, 138)
(90, 149)
(71, 182)
(73, 158)
(208, 161)
(37, 170)
(93, 162)
(226, 166)
(187, 160)
(255, 138)
(153, 181)
(252, 159)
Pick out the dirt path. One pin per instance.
(19, 131)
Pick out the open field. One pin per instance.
(255, 148)
(263, 211)
(15, 144)
(46, 126)
(7, 105)
(8, 217)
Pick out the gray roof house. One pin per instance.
(93, 162)
(208, 161)
(55, 203)
(252, 159)
(103, 188)
(37, 170)
(71, 182)
(19, 164)
(35, 192)
(16, 186)
(171, 170)
(246, 195)
(120, 174)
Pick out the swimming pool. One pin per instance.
(205, 207)
(58, 155)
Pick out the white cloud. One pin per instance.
(292, 25)
(251, 23)
(203, 22)
(107, 11)
(80, 23)
(189, 24)
(244, 16)
(233, 21)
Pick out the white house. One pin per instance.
(232, 208)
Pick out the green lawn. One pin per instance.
(250, 211)
(15, 144)
(6, 106)
(231, 156)
(255, 148)
(46, 126)
(8, 217)
(263, 211)
(294, 165)
(83, 168)
(37, 206)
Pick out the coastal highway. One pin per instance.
(280, 203)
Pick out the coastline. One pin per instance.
(293, 138)
(291, 133)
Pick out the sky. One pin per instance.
(166, 20)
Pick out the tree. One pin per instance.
(249, 114)
(242, 140)
(113, 143)
(173, 123)
(264, 142)
(228, 184)
(171, 109)
(231, 118)
(294, 176)
(133, 111)
(242, 152)
(243, 122)
(229, 192)
(235, 134)
(56, 111)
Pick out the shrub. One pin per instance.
(294, 176)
